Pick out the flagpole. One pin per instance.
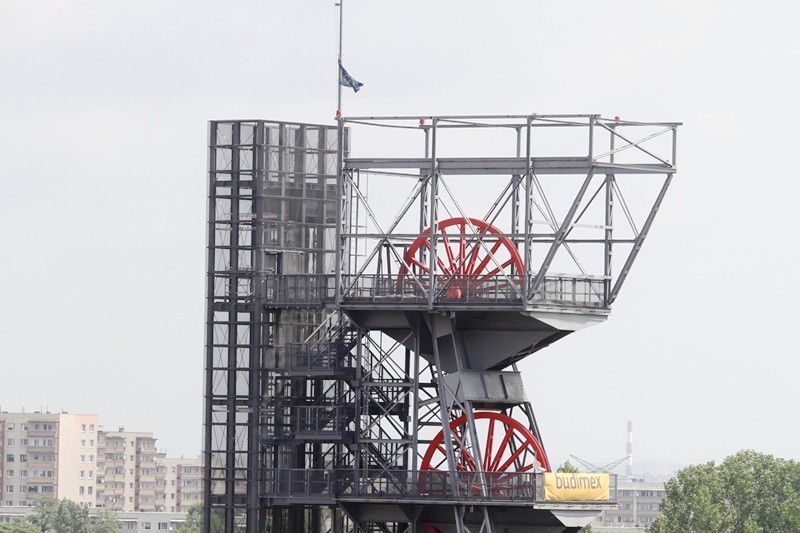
(339, 64)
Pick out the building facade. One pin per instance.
(47, 454)
(639, 504)
(61, 455)
(179, 483)
(126, 471)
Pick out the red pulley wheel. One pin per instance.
(461, 258)
(508, 447)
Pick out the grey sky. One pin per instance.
(103, 111)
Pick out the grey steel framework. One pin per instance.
(367, 308)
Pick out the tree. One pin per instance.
(567, 468)
(18, 528)
(747, 493)
(66, 516)
(44, 514)
(104, 521)
(194, 520)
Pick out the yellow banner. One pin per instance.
(576, 487)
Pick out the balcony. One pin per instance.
(41, 433)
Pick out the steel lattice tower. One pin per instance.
(366, 310)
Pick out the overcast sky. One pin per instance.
(103, 115)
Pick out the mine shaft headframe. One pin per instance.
(551, 228)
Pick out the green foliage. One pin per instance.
(18, 528)
(747, 493)
(567, 468)
(66, 516)
(194, 521)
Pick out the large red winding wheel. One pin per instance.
(508, 448)
(462, 261)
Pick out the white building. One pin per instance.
(638, 506)
(51, 454)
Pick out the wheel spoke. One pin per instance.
(462, 249)
(450, 257)
(487, 453)
(445, 270)
(501, 449)
(513, 457)
(419, 265)
(485, 260)
(494, 272)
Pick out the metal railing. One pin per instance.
(330, 356)
(299, 289)
(322, 419)
(318, 289)
(376, 484)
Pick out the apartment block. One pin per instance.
(47, 454)
(179, 483)
(638, 506)
(126, 471)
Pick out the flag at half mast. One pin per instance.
(346, 80)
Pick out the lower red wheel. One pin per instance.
(508, 448)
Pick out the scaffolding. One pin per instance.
(366, 310)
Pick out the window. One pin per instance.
(83, 458)
(91, 458)
(83, 428)
(23, 473)
(91, 474)
(91, 444)
(145, 525)
(131, 458)
(24, 427)
(9, 488)
(9, 427)
(83, 443)
(91, 428)
(10, 442)
(163, 526)
(23, 442)
(23, 457)
(82, 474)
(10, 457)
(89, 489)
(80, 490)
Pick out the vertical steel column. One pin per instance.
(434, 218)
(339, 198)
(526, 278)
(257, 324)
(233, 333)
(609, 223)
(208, 405)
